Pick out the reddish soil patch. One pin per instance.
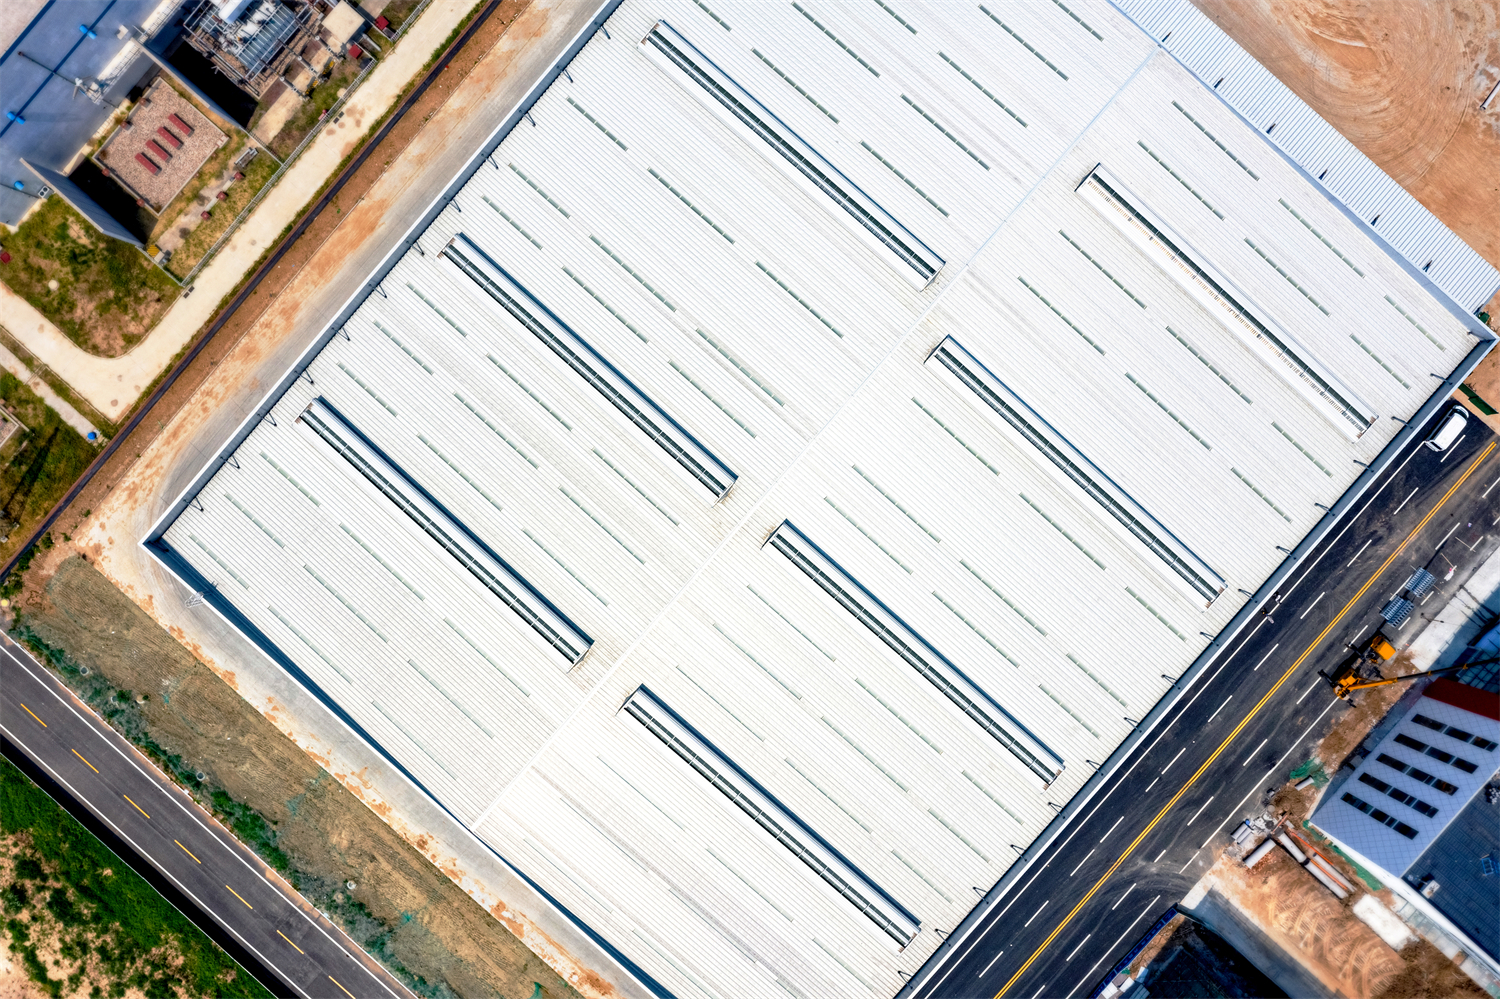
(268, 295)
(1430, 975)
(1304, 918)
(1403, 82)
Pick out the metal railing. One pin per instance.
(411, 19)
(286, 164)
(295, 154)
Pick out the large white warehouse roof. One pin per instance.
(802, 449)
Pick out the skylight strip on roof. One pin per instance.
(1266, 338)
(497, 577)
(1012, 411)
(970, 700)
(588, 364)
(734, 105)
(784, 827)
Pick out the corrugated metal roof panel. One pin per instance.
(743, 308)
(1315, 145)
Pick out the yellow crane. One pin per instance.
(1347, 677)
(1343, 688)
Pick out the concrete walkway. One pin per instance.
(112, 384)
(1460, 620)
(72, 417)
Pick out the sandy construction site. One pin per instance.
(1403, 82)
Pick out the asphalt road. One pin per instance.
(164, 826)
(1148, 837)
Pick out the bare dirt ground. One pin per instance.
(1403, 81)
(1429, 975)
(425, 922)
(1369, 707)
(1302, 917)
(1324, 935)
(1306, 920)
(13, 980)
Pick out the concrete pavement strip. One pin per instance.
(72, 417)
(478, 105)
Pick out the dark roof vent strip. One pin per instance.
(590, 366)
(970, 700)
(733, 104)
(1012, 411)
(784, 827)
(1274, 345)
(452, 537)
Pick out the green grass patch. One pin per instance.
(39, 464)
(70, 890)
(119, 708)
(397, 11)
(104, 424)
(202, 238)
(1479, 403)
(108, 295)
(214, 167)
(125, 715)
(1370, 880)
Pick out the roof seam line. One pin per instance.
(808, 446)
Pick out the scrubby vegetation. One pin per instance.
(108, 295)
(198, 242)
(37, 465)
(83, 923)
(124, 713)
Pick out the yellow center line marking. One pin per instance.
(186, 850)
(341, 988)
(137, 807)
(240, 897)
(1245, 721)
(85, 762)
(299, 950)
(32, 714)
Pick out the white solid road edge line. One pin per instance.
(191, 813)
(146, 856)
(1111, 947)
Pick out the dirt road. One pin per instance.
(476, 89)
(400, 907)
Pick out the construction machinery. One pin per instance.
(1351, 681)
(1362, 665)
(1361, 670)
